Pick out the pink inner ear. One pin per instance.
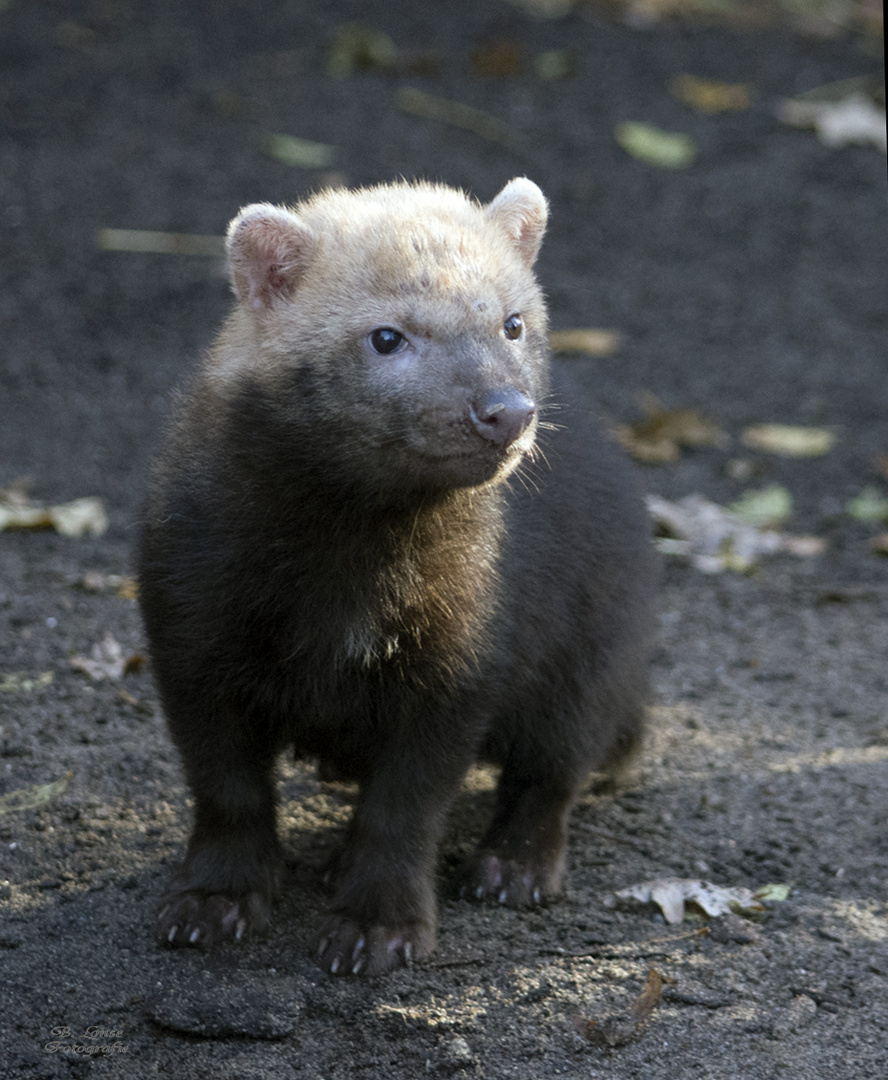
(521, 209)
(268, 285)
(267, 254)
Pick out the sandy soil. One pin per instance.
(750, 286)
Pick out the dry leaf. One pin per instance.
(713, 539)
(658, 438)
(618, 1028)
(665, 149)
(555, 64)
(78, 518)
(879, 544)
(854, 119)
(773, 894)
(17, 683)
(589, 341)
(546, 9)
(160, 243)
(32, 797)
(107, 661)
(502, 59)
(299, 153)
(83, 517)
(870, 505)
(789, 440)
(882, 465)
(765, 508)
(672, 895)
(126, 588)
(430, 107)
(710, 95)
(357, 47)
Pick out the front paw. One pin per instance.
(346, 948)
(195, 918)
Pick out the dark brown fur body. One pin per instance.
(306, 583)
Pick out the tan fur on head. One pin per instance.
(365, 246)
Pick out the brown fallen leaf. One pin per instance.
(618, 1028)
(592, 342)
(710, 95)
(659, 438)
(879, 544)
(882, 466)
(503, 58)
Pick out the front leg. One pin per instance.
(383, 913)
(224, 888)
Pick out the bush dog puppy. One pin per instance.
(361, 542)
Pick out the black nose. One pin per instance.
(502, 415)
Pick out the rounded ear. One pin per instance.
(521, 209)
(269, 250)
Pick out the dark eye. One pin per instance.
(384, 340)
(514, 327)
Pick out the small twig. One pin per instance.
(630, 951)
(160, 243)
(669, 994)
(454, 113)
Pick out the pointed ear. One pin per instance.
(269, 250)
(521, 209)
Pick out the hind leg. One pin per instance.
(546, 759)
(520, 860)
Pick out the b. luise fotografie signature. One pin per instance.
(93, 1041)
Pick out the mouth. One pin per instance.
(468, 468)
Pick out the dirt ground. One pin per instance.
(750, 285)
